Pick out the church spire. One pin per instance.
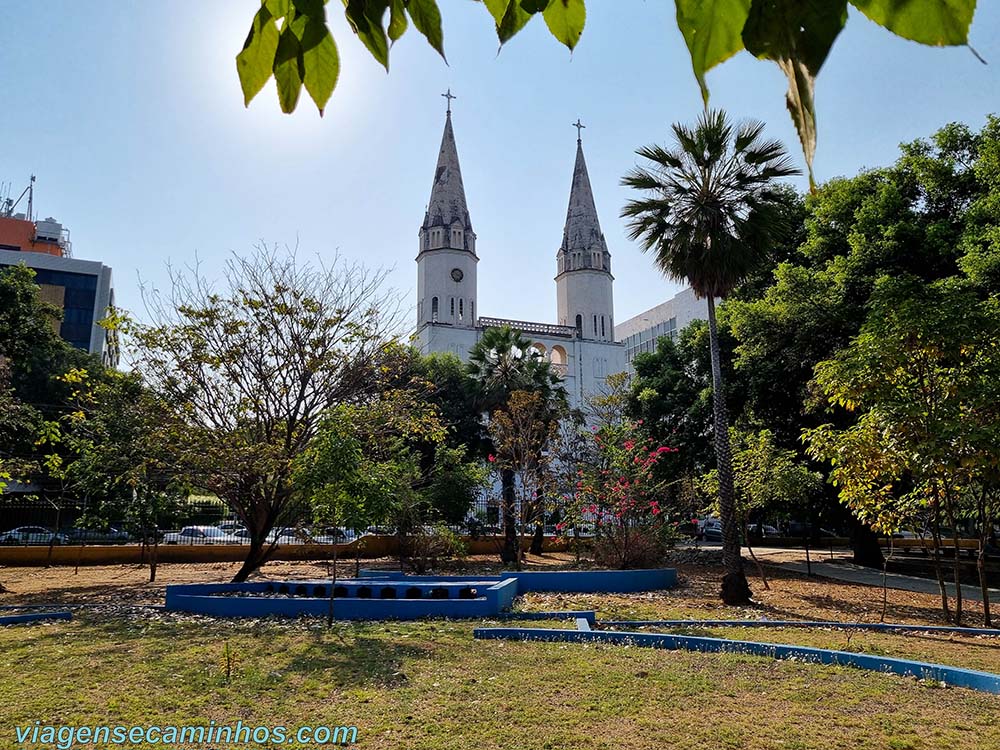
(447, 203)
(582, 233)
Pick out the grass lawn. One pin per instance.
(430, 685)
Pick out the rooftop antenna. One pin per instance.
(12, 204)
(31, 198)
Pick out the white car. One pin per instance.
(32, 535)
(229, 527)
(200, 535)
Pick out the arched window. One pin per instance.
(595, 325)
(434, 309)
(461, 308)
(453, 307)
(579, 325)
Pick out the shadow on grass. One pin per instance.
(346, 656)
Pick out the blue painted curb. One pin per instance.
(586, 614)
(974, 680)
(34, 617)
(882, 627)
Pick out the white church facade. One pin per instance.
(581, 343)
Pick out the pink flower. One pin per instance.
(491, 458)
(629, 445)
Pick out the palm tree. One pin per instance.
(709, 213)
(501, 362)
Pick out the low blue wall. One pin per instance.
(437, 599)
(594, 581)
(34, 617)
(410, 597)
(566, 581)
(956, 676)
(881, 627)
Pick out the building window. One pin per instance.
(453, 307)
(461, 309)
(603, 334)
(472, 310)
(434, 309)
(579, 325)
(595, 325)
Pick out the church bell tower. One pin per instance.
(446, 260)
(583, 279)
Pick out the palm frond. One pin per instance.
(709, 210)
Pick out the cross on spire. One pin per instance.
(449, 96)
(579, 126)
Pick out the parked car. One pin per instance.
(200, 535)
(762, 530)
(111, 535)
(32, 535)
(230, 527)
(711, 530)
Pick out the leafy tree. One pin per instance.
(709, 214)
(671, 395)
(769, 481)
(363, 466)
(619, 490)
(924, 376)
(34, 394)
(923, 216)
(116, 462)
(245, 374)
(290, 39)
(522, 433)
(981, 236)
(450, 389)
(500, 363)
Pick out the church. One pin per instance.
(581, 343)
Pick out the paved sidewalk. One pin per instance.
(869, 577)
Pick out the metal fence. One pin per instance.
(31, 519)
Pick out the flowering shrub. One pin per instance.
(622, 498)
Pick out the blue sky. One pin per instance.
(131, 116)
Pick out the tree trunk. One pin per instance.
(510, 553)
(154, 556)
(865, 545)
(981, 568)
(735, 589)
(538, 540)
(936, 545)
(256, 556)
(985, 526)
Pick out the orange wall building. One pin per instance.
(21, 234)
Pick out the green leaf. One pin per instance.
(935, 22)
(397, 19)
(288, 69)
(255, 60)
(797, 35)
(565, 19)
(427, 19)
(365, 17)
(320, 63)
(712, 30)
(509, 16)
